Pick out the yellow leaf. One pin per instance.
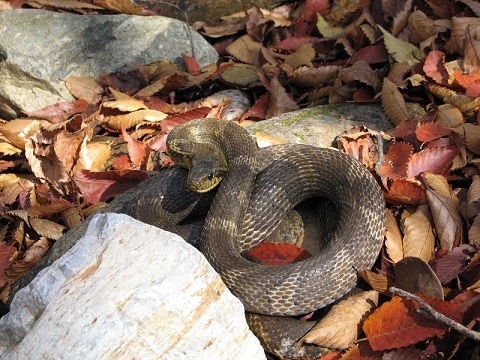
(419, 240)
(47, 228)
(303, 56)
(350, 313)
(394, 238)
(9, 149)
(400, 50)
(327, 30)
(127, 105)
(129, 120)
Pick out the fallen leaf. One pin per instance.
(435, 160)
(350, 313)
(414, 275)
(419, 239)
(400, 50)
(393, 103)
(278, 254)
(393, 238)
(445, 211)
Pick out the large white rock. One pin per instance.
(127, 290)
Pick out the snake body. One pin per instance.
(250, 203)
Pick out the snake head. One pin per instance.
(206, 173)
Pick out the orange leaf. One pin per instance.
(192, 64)
(396, 159)
(397, 324)
(406, 192)
(431, 131)
(277, 254)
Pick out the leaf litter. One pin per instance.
(418, 59)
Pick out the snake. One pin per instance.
(254, 190)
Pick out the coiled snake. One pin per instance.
(260, 187)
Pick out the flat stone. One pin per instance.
(127, 290)
(40, 49)
(320, 125)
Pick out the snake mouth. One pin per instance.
(205, 185)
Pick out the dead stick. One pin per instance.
(426, 309)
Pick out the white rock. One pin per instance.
(127, 290)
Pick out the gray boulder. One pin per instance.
(40, 49)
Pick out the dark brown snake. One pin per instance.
(249, 203)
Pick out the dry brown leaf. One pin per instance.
(449, 116)
(303, 56)
(72, 217)
(47, 228)
(437, 159)
(414, 275)
(421, 26)
(471, 133)
(46, 210)
(361, 71)
(18, 131)
(378, 281)
(445, 211)
(350, 313)
(419, 239)
(473, 198)
(125, 105)
(245, 49)
(401, 18)
(474, 231)
(126, 121)
(85, 88)
(457, 37)
(311, 77)
(394, 238)
(93, 156)
(393, 102)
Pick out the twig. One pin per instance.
(426, 310)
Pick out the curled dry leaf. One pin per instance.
(393, 238)
(473, 197)
(421, 26)
(419, 239)
(445, 211)
(450, 266)
(361, 71)
(311, 77)
(349, 313)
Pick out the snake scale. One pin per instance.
(259, 188)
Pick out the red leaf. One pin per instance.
(405, 192)
(105, 185)
(308, 20)
(277, 254)
(434, 68)
(137, 151)
(60, 111)
(371, 54)
(6, 252)
(294, 42)
(431, 131)
(396, 159)
(435, 160)
(192, 65)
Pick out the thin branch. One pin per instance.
(426, 310)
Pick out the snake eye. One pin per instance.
(210, 176)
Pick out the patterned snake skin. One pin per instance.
(248, 204)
